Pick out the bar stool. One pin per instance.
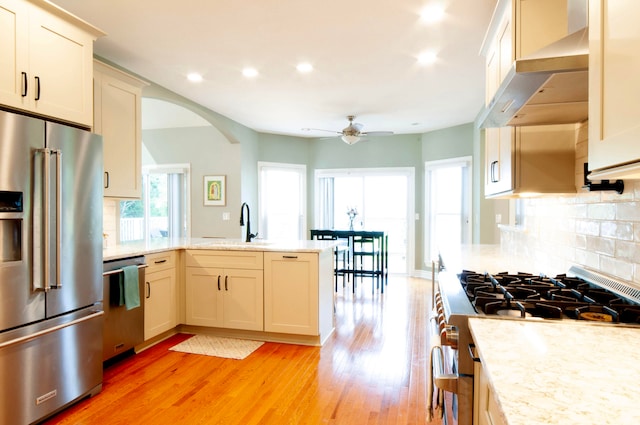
(367, 250)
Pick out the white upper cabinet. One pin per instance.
(519, 28)
(518, 160)
(614, 89)
(46, 58)
(530, 161)
(117, 117)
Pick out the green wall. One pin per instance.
(209, 153)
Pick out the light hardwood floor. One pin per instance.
(373, 370)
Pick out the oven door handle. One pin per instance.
(439, 380)
(444, 381)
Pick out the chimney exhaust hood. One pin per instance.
(547, 87)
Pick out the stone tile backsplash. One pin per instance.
(599, 230)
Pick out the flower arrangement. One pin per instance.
(352, 213)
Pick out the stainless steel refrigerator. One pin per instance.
(50, 267)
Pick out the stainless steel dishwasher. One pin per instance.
(123, 329)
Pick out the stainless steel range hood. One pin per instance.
(547, 87)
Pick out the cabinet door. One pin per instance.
(117, 119)
(499, 160)
(60, 69)
(486, 408)
(204, 296)
(614, 86)
(159, 303)
(13, 52)
(291, 293)
(505, 46)
(243, 299)
(492, 74)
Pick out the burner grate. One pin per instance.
(622, 289)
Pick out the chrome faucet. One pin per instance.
(249, 234)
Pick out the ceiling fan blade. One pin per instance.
(322, 129)
(377, 133)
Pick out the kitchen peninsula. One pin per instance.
(265, 290)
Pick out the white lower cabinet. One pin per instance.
(486, 410)
(160, 294)
(225, 297)
(291, 296)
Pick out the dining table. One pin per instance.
(379, 266)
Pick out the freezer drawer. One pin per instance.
(50, 365)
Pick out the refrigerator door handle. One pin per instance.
(58, 154)
(36, 243)
(47, 221)
(42, 235)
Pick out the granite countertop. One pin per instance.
(114, 252)
(561, 372)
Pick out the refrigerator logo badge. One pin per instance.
(47, 396)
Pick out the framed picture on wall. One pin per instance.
(215, 190)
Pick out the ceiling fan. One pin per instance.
(352, 133)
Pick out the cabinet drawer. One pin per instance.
(227, 259)
(161, 261)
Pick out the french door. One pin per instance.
(378, 199)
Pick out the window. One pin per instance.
(163, 210)
(448, 205)
(282, 207)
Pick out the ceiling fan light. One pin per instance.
(350, 139)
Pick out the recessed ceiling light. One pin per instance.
(432, 13)
(250, 72)
(194, 77)
(304, 67)
(427, 58)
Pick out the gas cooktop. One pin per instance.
(538, 296)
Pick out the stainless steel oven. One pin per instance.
(451, 367)
(581, 294)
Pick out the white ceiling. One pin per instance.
(364, 54)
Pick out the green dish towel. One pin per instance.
(129, 287)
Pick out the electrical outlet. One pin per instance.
(498, 218)
(226, 216)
